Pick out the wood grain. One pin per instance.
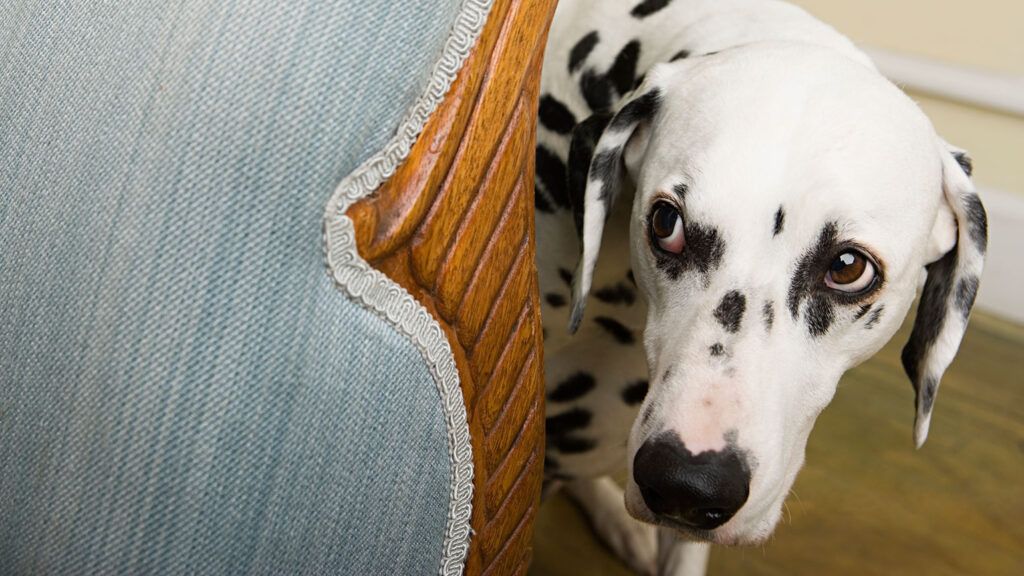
(454, 227)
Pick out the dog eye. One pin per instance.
(850, 272)
(667, 228)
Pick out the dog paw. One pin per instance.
(634, 542)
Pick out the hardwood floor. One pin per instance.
(866, 502)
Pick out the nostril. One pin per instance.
(707, 518)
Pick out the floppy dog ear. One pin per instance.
(595, 180)
(950, 289)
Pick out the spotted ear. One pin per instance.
(950, 289)
(596, 174)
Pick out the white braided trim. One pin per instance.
(378, 293)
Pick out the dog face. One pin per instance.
(787, 204)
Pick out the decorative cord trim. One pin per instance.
(378, 293)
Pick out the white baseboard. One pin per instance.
(1001, 92)
(1002, 284)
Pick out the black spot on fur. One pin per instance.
(729, 312)
(668, 372)
(572, 388)
(768, 313)
(635, 392)
(977, 221)
(861, 312)
(638, 109)
(581, 151)
(819, 315)
(717, 349)
(618, 331)
(622, 74)
(704, 251)
(875, 316)
(965, 162)
(566, 422)
(596, 90)
(555, 300)
(540, 202)
(551, 173)
(555, 116)
(966, 291)
(680, 191)
(808, 269)
(569, 444)
(550, 464)
(566, 276)
(680, 55)
(648, 7)
(931, 315)
(605, 167)
(618, 294)
(581, 50)
(780, 220)
(931, 386)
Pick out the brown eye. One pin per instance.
(850, 272)
(667, 228)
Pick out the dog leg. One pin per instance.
(602, 502)
(681, 558)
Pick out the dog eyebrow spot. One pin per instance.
(618, 294)
(648, 7)
(873, 319)
(567, 422)
(551, 173)
(554, 115)
(729, 312)
(717, 349)
(554, 299)
(780, 219)
(862, 311)
(635, 392)
(581, 50)
(618, 331)
(768, 313)
(572, 388)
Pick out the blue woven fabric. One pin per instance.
(182, 388)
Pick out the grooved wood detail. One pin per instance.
(454, 227)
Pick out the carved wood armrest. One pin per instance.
(454, 227)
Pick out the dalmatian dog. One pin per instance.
(733, 207)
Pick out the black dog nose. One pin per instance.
(701, 491)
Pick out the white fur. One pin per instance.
(787, 113)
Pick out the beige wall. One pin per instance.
(985, 35)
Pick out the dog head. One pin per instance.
(787, 202)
